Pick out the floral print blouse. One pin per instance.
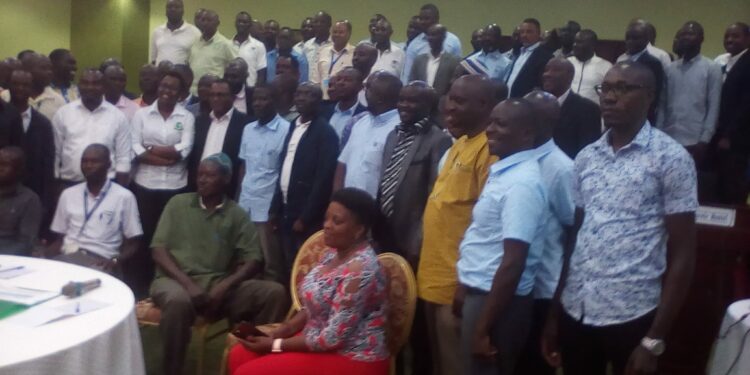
(346, 307)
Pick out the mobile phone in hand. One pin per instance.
(245, 329)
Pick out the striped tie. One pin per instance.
(406, 136)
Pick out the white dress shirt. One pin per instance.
(432, 67)
(48, 102)
(127, 106)
(116, 216)
(26, 119)
(151, 129)
(253, 52)
(75, 128)
(391, 60)
(291, 150)
(173, 46)
(240, 101)
(587, 75)
(311, 48)
(217, 131)
(331, 62)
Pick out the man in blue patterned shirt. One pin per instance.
(625, 281)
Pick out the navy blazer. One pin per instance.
(580, 124)
(530, 76)
(734, 110)
(311, 179)
(232, 142)
(39, 146)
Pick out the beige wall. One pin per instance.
(607, 17)
(41, 25)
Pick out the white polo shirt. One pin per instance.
(587, 75)
(217, 131)
(173, 46)
(391, 60)
(114, 217)
(253, 52)
(75, 127)
(151, 129)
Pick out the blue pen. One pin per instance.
(12, 269)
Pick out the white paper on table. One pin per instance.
(41, 315)
(23, 296)
(11, 273)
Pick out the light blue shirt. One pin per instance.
(558, 176)
(619, 260)
(363, 153)
(512, 206)
(273, 55)
(523, 56)
(340, 118)
(420, 46)
(496, 63)
(260, 149)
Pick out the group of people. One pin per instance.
(544, 197)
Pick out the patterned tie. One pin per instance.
(406, 136)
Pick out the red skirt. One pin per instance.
(245, 362)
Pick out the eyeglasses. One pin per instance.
(619, 89)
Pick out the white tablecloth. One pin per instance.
(105, 341)
(734, 330)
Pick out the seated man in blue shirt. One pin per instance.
(260, 152)
(501, 249)
(557, 176)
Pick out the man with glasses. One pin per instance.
(633, 246)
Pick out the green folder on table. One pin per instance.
(9, 308)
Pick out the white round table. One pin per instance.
(104, 341)
(733, 342)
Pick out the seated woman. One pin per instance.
(341, 327)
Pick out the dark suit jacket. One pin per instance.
(448, 64)
(418, 173)
(311, 179)
(231, 147)
(249, 103)
(11, 126)
(655, 65)
(328, 109)
(530, 75)
(39, 147)
(580, 124)
(734, 110)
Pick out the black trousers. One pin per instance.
(586, 350)
(138, 272)
(532, 362)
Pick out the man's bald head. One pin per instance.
(627, 92)
(382, 90)
(12, 165)
(417, 100)
(547, 114)
(557, 76)
(511, 127)
(468, 104)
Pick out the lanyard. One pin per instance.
(334, 61)
(87, 213)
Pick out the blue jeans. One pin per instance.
(508, 333)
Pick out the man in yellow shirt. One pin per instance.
(213, 51)
(448, 213)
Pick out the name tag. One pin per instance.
(720, 217)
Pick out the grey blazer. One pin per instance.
(415, 180)
(448, 64)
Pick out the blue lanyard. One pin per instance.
(87, 213)
(334, 61)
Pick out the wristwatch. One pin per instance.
(654, 346)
